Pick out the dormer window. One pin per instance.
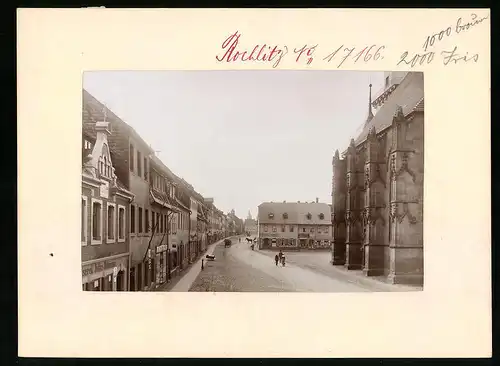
(309, 216)
(271, 216)
(285, 216)
(321, 216)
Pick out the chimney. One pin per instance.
(317, 199)
(102, 127)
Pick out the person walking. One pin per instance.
(283, 260)
(276, 259)
(280, 255)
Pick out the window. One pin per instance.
(321, 216)
(285, 216)
(131, 158)
(162, 221)
(157, 221)
(309, 216)
(265, 228)
(153, 223)
(271, 216)
(111, 222)
(274, 229)
(291, 229)
(312, 230)
(121, 223)
(140, 220)
(84, 220)
(145, 169)
(146, 220)
(303, 229)
(387, 81)
(283, 229)
(96, 221)
(132, 218)
(87, 145)
(327, 229)
(139, 164)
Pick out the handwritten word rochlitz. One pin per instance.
(261, 53)
(460, 26)
(365, 54)
(426, 58)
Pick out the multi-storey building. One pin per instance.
(377, 191)
(105, 208)
(166, 221)
(294, 225)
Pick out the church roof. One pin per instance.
(409, 95)
(296, 213)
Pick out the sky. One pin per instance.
(243, 137)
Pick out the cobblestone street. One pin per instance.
(239, 269)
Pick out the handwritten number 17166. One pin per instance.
(366, 54)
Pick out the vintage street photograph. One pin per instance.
(252, 181)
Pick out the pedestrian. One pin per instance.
(283, 260)
(276, 259)
(280, 255)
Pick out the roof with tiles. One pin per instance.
(294, 213)
(409, 95)
(93, 111)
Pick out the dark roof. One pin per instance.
(408, 94)
(93, 111)
(297, 213)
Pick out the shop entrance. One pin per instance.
(120, 280)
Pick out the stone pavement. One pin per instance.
(319, 261)
(185, 281)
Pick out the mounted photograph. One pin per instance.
(252, 181)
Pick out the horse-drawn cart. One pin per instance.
(227, 243)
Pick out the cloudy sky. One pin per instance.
(243, 137)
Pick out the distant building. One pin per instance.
(294, 225)
(250, 225)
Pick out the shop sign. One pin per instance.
(87, 270)
(161, 248)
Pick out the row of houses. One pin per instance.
(142, 225)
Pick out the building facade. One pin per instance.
(167, 222)
(377, 190)
(105, 208)
(250, 225)
(294, 225)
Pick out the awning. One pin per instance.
(162, 201)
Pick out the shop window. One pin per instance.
(121, 223)
(140, 286)
(132, 219)
(96, 221)
(140, 221)
(111, 222)
(84, 220)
